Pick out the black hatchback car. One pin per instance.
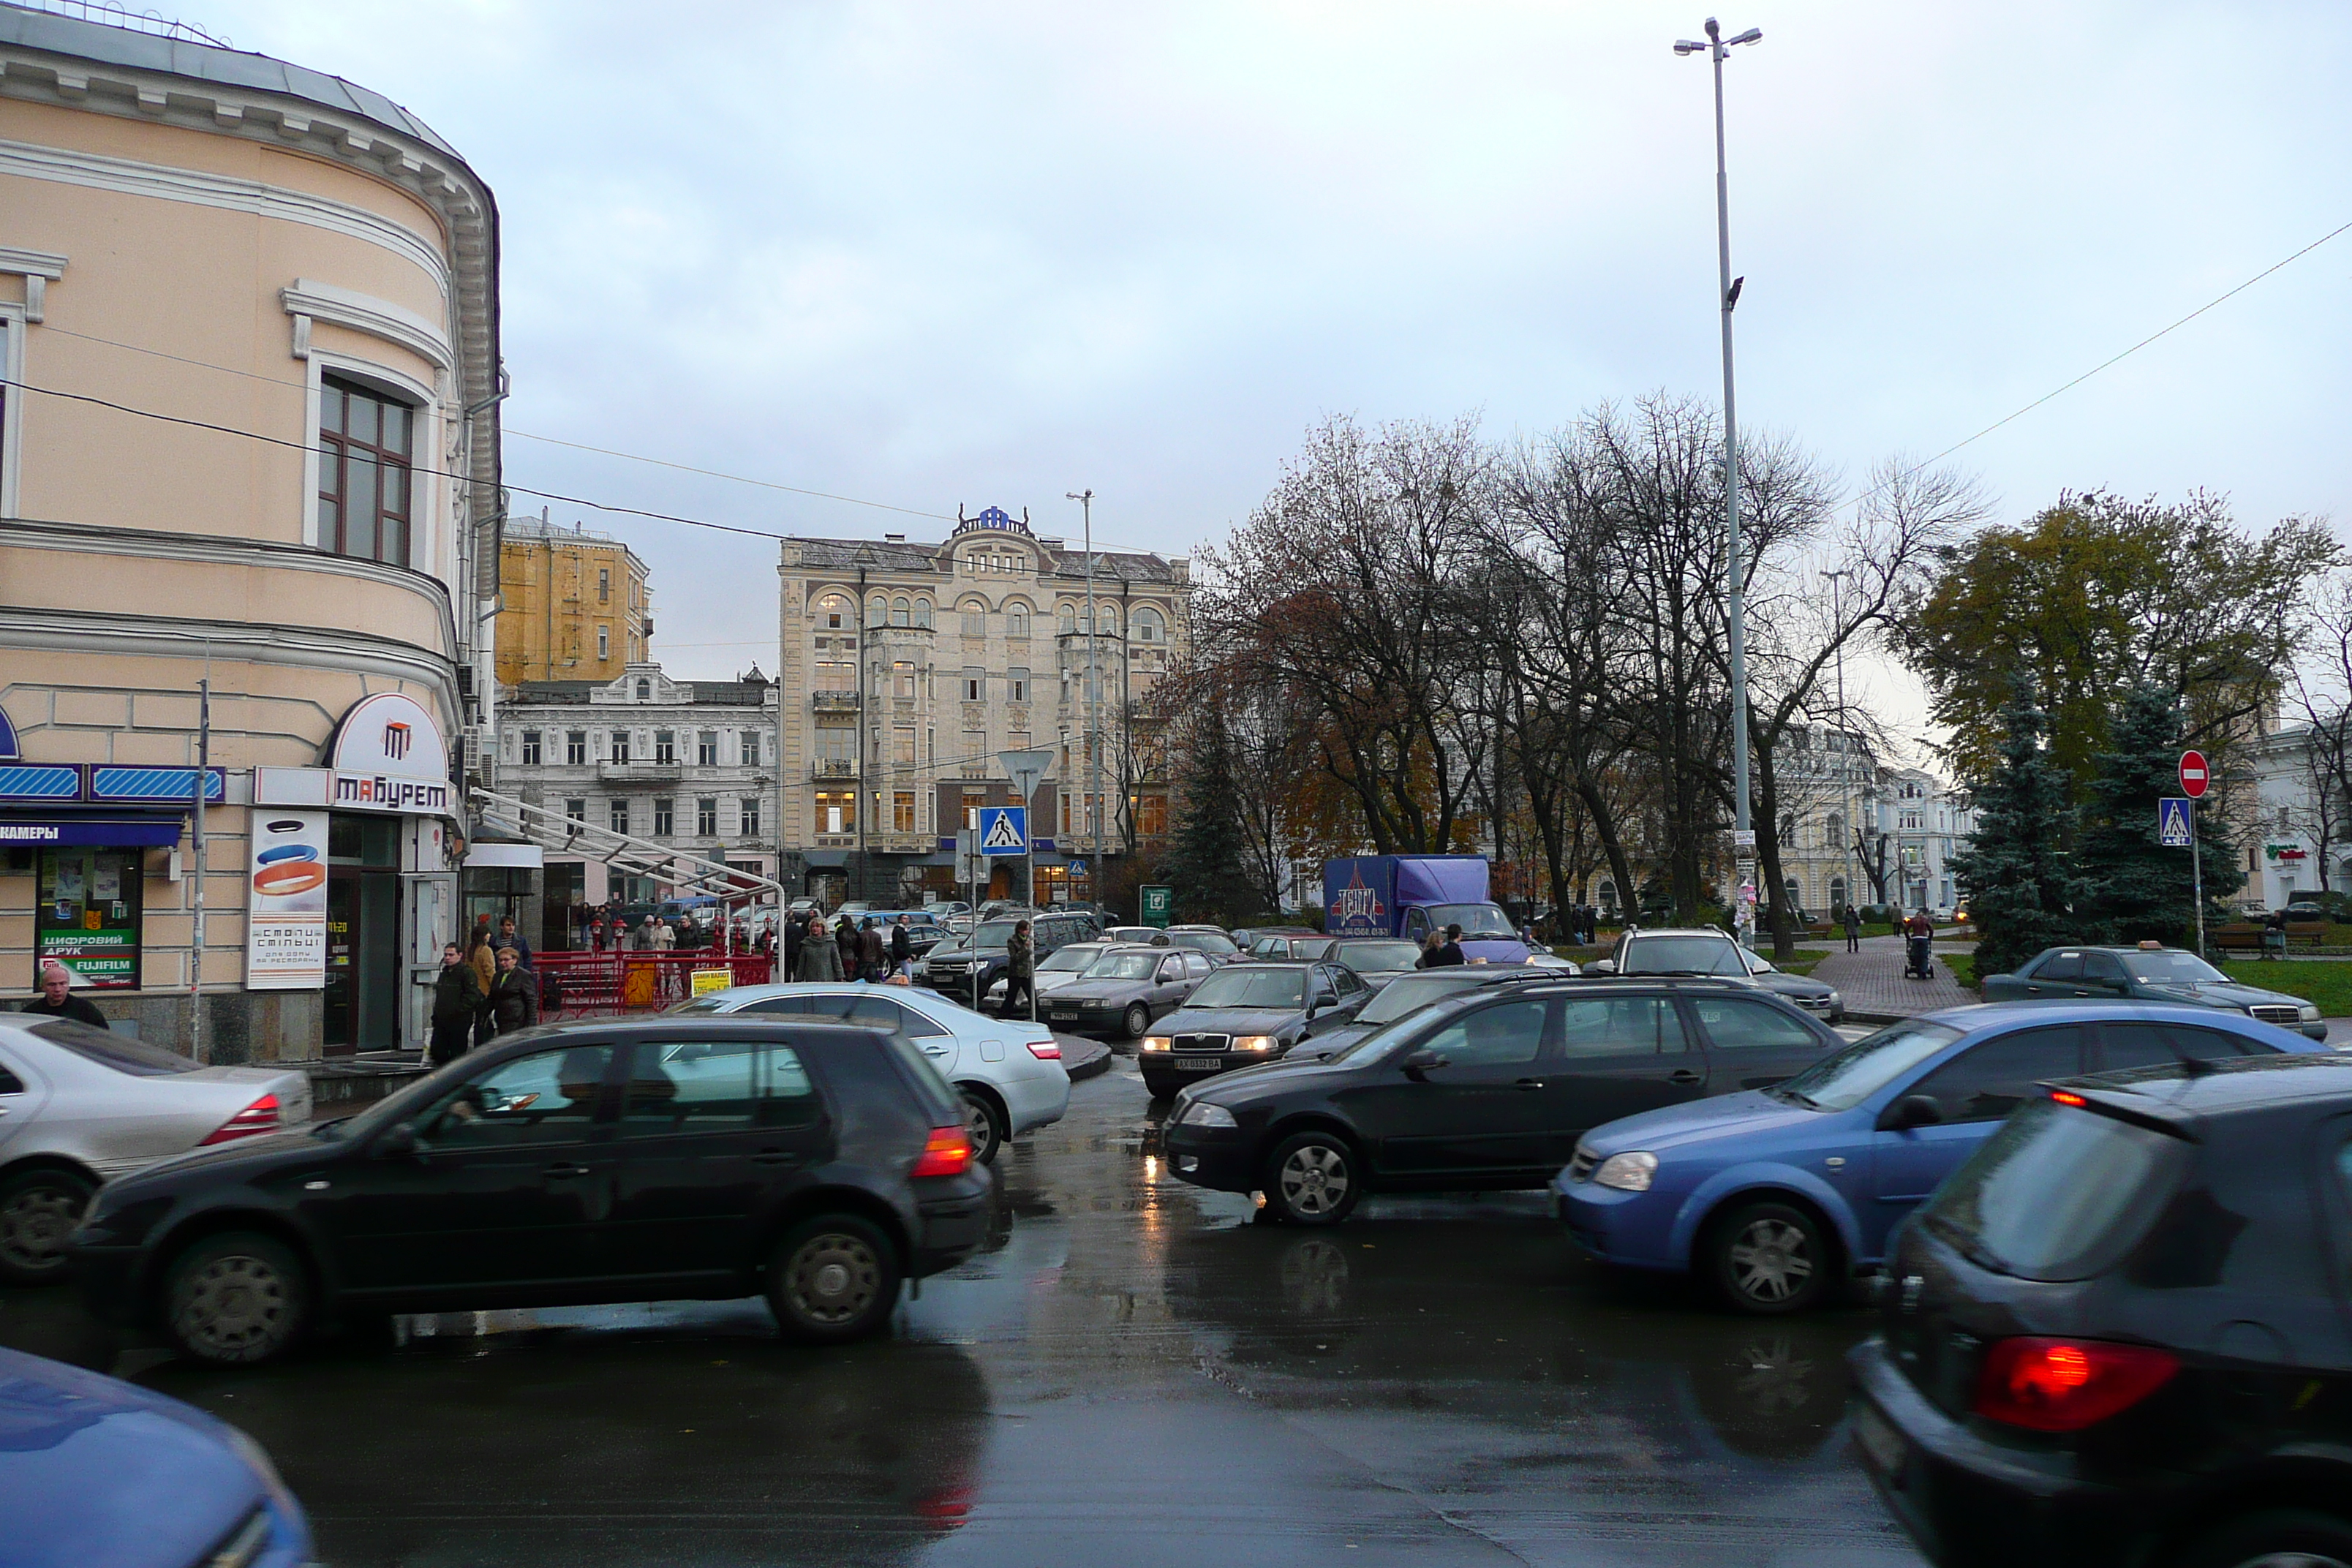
(1246, 1014)
(604, 1160)
(1489, 1089)
(2121, 1333)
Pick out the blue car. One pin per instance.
(1775, 1196)
(94, 1470)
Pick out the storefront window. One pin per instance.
(362, 933)
(89, 916)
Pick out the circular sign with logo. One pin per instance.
(2194, 775)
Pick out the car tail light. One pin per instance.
(947, 1153)
(260, 1117)
(2064, 1386)
(1046, 1050)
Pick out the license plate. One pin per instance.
(1880, 1443)
(1066, 1017)
(1199, 1064)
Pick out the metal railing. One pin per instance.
(107, 14)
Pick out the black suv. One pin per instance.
(1490, 1089)
(604, 1161)
(1246, 1014)
(2122, 1333)
(951, 964)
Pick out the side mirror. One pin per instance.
(1601, 966)
(399, 1142)
(1911, 1111)
(1421, 1062)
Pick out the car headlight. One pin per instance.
(2308, 1012)
(1204, 1113)
(1836, 1000)
(1627, 1173)
(1155, 1042)
(1255, 1043)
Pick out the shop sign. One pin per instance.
(706, 981)
(87, 916)
(286, 930)
(377, 792)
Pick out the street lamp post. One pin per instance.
(1718, 49)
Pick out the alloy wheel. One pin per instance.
(1314, 1180)
(832, 1279)
(232, 1307)
(33, 1224)
(1771, 1261)
(980, 1126)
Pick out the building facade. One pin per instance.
(904, 668)
(280, 585)
(572, 605)
(685, 765)
(2299, 841)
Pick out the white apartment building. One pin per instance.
(905, 667)
(686, 763)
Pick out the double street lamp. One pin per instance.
(1718, 49)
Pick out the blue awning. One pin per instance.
(144, 830)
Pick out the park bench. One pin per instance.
(2247, 937)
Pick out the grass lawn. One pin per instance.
(2327, 982)
(1963, 966)
(1800, 962)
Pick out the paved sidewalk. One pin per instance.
(1872, 984)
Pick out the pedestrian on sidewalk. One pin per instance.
(456, 998)
(509, 937)
(663, 937)
(795, 938)
(902, 945)
(1917, 933)
(485, 963)
(1852, 923)
(514, 996)
(56, 999)
(1020, 969)
(820, 957)
(844, 938)
(870, 951)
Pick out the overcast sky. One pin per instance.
(932, 254)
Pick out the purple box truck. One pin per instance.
(1412, 895)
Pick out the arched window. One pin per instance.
(877, 611)
(1608, 894)
(1065, 618)
(1016, 620)
(833, 611)
(1833, 830)
(901, 613)
(1791, 898)
(1109, 620)
(644, 692)
(923, 614)
(975, 618)
(1147, 625)
(1837, 892)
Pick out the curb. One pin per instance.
(1083, 1058)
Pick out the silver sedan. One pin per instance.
(79, 1105)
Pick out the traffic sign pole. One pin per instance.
(2195, 777)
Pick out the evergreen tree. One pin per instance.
(2136, 890)
(1203, 864)
(2021, 888)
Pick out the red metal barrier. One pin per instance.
(601, 984)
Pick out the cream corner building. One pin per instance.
(219, 238)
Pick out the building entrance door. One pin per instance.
(363, 978)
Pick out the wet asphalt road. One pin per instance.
(1138, 1374)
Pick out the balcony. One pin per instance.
(834, 702)
(639, 772)
(830, 768)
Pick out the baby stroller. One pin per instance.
(1916, 965)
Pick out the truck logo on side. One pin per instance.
(1357, 905)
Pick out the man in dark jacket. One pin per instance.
(1020, 969)
(56, 999)
(514, 996)
(456, 997)
(844, 940)
(509, 937)
(795, 933)
(902, 944)
(870, 951)
(1449, 952)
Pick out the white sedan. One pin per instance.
(1008, 1071)
(79, 1105)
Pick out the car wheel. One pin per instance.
(1312, 1179)
(985, 1124)
(831, 1280)
(236, 1299)
(1138, 1018)
(2277, 1538)
(38, 1209)
(1159, 1086)
(1770, 1257)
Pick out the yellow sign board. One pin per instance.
(706, 981)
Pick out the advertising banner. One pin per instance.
(88, 917)
(285, 932)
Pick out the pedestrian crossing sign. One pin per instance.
(2172, 823)
(1004, 830)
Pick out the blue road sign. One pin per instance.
(1004, 830)
(2172, 823)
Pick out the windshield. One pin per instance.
(1681, 955)
(1202, 942)
(1125, 966)
(108, 1049)
(1842, 1081)
(2057, 1193)
(2172, 968)
(1373, 957)
(1070, 958)
(1411, 993)
(1252, 988)
(1478, 922)
(992, 934)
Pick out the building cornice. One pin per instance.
(307, 300)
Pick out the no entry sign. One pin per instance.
(2193, 775)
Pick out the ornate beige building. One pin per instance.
(254, 312)
(906, 668)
